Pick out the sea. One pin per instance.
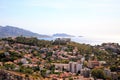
(88, 40)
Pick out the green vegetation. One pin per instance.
(9, 56)
(26, 70)
(33, 41)
(43, 73)
(9, 66)
(113, 68)
(70, 78)
(98, 74)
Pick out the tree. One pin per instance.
(113, 68)
(85, 63)
(9, 66)
(43, 73)
(70, 78)
(52, 68)
(98, 73)
(26, 70)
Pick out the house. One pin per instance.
(102, 63)
(61, 67)
(93, 64)
(1, 47)
(107, 72)
(1, 63)
(82, 59)
(65, 75)
(114, 76)
(81, 78)
(118, 69)
(24, 61)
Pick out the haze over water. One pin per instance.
(96, 41)
(90, 40)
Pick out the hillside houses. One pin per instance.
(59, 62)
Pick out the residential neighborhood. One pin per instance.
(56, 61)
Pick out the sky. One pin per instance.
(97, 18)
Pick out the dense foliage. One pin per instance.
(33, 41)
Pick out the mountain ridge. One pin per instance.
(11, 31)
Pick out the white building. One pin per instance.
(82, 59)
(74, 67)
(24, 61)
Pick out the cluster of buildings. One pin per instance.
(67, 64)
(80, 72)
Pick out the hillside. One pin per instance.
(34, 59)
(10, 31)
(112, 48)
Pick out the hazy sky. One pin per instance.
(77, 17)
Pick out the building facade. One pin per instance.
(74, 67)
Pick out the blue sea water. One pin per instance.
(89, 40)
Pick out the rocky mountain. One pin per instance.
(62, 35)
(10, 31)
